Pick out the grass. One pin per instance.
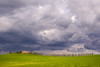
(29, 60)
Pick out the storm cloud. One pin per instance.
(49, 24)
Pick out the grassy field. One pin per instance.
(29, 60)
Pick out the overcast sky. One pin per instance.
(49, 24)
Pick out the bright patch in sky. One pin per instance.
(40, 7)
(73, 18)
(50, 34)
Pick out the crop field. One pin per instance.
(29, 60)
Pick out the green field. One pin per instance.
(29, 60)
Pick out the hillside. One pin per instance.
(29, 60)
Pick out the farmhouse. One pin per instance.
(25, 52)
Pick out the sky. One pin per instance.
(49, 25)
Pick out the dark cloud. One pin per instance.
(8, 6)
(48, 24)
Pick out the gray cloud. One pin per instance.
(42, 24)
